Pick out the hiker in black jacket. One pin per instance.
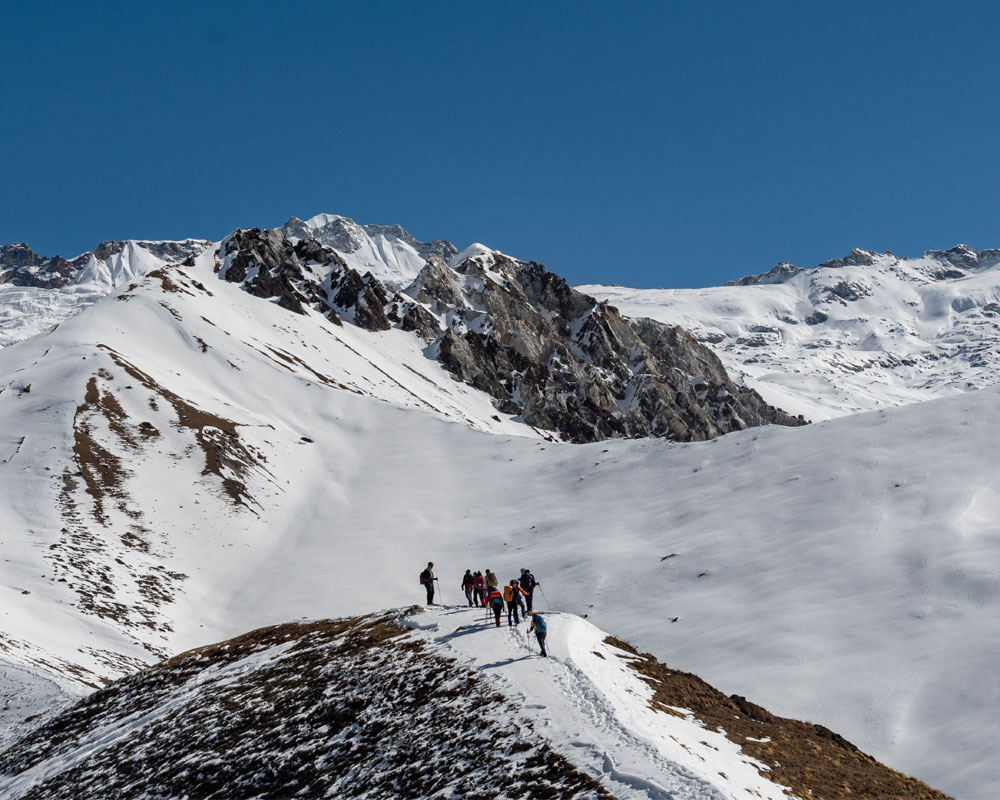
(468, 581)
(528, 584)
(427, 579)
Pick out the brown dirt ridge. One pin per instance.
(813, 761)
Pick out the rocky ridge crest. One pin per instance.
(543, 351)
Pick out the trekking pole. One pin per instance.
(547, 603)
(440, 594)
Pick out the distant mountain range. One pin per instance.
(868, 331)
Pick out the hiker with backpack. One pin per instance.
(492, 582)
(467, 585)
(512, 597)
(528, 584)
(479, 589)
(427, 579)
(495, 602)
(539, 628)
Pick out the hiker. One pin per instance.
(427, 579)
(512, 596)
(492, 582)
(528, 583)
(479, 589)
(467, 585)
(495, 600)
(538, 626)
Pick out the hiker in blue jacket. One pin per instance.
(538, 626)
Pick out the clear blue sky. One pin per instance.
(648, 144)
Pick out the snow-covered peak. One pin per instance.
(320, 220)
(474, 250)
(388, 252)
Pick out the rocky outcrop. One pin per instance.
(779, 273)
(567, 363)
(21, 266)
(856, 258)
(543, 351)
(307, 273)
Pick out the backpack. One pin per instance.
(539, 624)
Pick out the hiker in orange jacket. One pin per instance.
(512, 593)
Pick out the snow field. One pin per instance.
(904, 331)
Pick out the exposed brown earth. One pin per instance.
(226, 456)
(813, 761)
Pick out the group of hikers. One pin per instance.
(483, 591)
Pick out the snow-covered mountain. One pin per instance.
(868, 331)
(432, 704)
(184, 461)
(387, 251)
(38, 292)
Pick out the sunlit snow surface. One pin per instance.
(595, 710)
(27, 311)
(847, 573)
(837, 340)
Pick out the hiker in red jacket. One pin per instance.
(479, 589)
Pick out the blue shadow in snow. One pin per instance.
(498, 664)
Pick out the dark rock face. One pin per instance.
(268, 265)
(542, 350)
(567, 363)
(20, 265)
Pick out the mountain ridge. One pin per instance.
(383, 705)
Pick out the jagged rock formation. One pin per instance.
(21, 266)
(779, 273)
(543, 351)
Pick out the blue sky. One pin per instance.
(647, 144)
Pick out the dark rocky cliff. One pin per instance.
(542, 350)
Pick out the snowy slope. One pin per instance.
(866, 332)
(38, 296)
(192, 462)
